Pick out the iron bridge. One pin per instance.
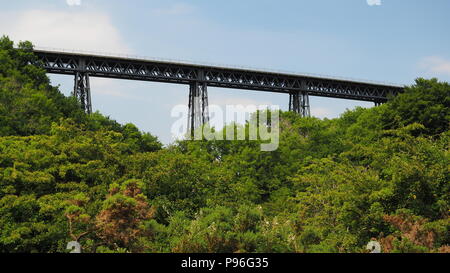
(199, 77)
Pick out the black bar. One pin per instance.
(223, 262)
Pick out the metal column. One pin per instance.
(82, 91)
(82, 87)
(294, 102)
(198, 106)
(299, 103)
(305, 108)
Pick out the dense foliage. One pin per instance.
(330, 187)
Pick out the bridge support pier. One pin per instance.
(198, 106)
(82, 91)
(299, 103)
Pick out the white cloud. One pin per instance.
(175, 9)
(374, 2)
(73, 2)
(72, 30)
(77, 30)
(435, 65)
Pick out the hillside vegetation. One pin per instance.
(330, 187)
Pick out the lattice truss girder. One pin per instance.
(213, 76)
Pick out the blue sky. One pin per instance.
(396, 41)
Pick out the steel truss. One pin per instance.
(298, 86)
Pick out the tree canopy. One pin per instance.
(331, 186)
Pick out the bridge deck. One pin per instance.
(216, 76)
